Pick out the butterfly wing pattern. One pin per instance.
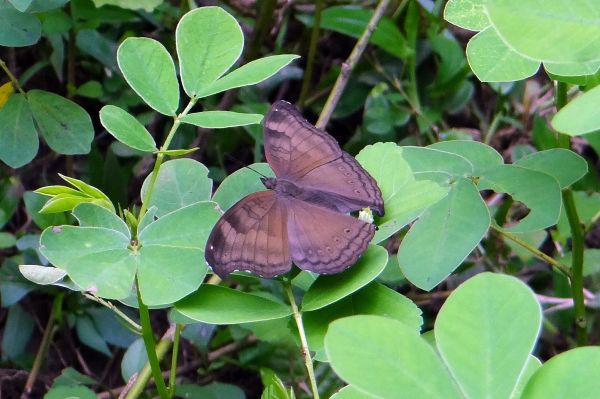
(304, 216)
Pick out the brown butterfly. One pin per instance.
(303, 216)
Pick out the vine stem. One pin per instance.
(577, 239)
(13, 79)
(173, 371)
(148, 337)
(305, 351)
(349, 64)
(536, 252)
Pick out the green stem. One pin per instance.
(304, 343)
(312, 50)
(577, 246)
(150, 346)
(160, 157)
(577, 239)
(10, 75)
(173, 371)
(144, 375)
(536, 252)
(348, 65)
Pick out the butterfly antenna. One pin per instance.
(230, 158)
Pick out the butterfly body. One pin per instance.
(303, 216)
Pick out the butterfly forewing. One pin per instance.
(293, 147)
(252, 236)
(325, 241)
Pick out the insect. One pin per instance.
(303, 216)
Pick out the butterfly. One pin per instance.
(303, 216)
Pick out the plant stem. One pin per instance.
(135, 326)
(173, 371)
(160, 157)
(536, 252)
(10, 75)
(577, 239)
(349, 64)
(144, 375)
(44, 345)
(312, 50)
(305, 351)
(150, 345)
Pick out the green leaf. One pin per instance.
(134, 359)
(533, 364)
(220, 119)
(91, 215)
(468, 14)
(241, 183)
(63, 203)
(538, 191)
(482, 156)
(17, 331)
(556, 380)
(85, 188)
(219, 305)
(148, 68)
(66, 127)
(178, 153)
(18, 29)
(56, 190)
(180, 182)
(213, 390)
(425, 160)
(62, 392)
(146, 5)
(251, 73)
(18, 137)
(171, 261)
(485, 332)
(126, 128)
(385, 358)
(565, 166)
(329, 289)
(349, 392)
(555, 30)
(273, 386)
(444, 236)
(580, 115)
(493, 61)
(403, 196)
(7, 240)
(352, 21)
(209, 41)
(577, 70)
(374, 299)
(90, 336)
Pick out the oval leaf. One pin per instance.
(18, 137)
(221, 119)
(329, 289)
(126, 128)
(565, 166)
(444, 236)
(18, 29)
(148, 68)
(384, 358)
(219, 305)
(579, 116)
(66, 127)
(485, 332)
(209, 41)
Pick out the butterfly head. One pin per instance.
(269, 182)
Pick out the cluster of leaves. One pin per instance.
(441, 215)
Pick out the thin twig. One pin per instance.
(349, 65)
(312, 51)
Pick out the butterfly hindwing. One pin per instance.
(252, 236)
(325, 241)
